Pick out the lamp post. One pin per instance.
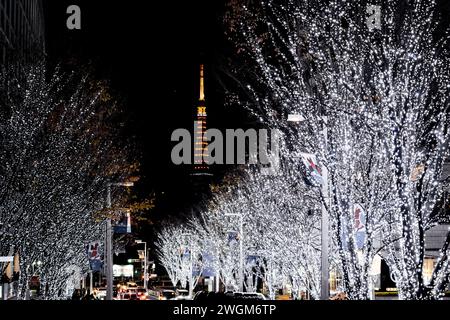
(145, 261)
(325, 268)
(241, 248)
(108, 242)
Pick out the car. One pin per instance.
(182, 292)
(228, 296)
(161, 294)
(249, 296)
(142, 293)
(201, 296)
(134, 296)
(100, 293)
(125, 296)
(167, 294)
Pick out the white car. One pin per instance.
(100, 293)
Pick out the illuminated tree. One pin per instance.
(60, 147)
(179, 250)
(380, 95)
(280, 233)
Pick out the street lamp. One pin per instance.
(325, 268)
(109, 234)
(145, 261)
(241, 248)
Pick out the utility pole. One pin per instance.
(145, 261)
(109, 256)
(241, 248)
(325, 268)
(108, 240)
(191, 270)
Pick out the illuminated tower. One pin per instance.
(200, 143)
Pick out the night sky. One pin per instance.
(151, 55)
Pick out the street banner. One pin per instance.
(208, 264)
(356, 227)
(197, 269)
(95, 256)
(185, 253)
(252, 260)
(313, 171)
(360, 225)
(233, 237)
(123, 225)
(375, 268)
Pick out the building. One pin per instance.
(200, 174)
(22, 31)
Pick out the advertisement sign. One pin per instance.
(123, 270)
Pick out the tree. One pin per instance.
(382, 97)
(180, 252)
(60, 146)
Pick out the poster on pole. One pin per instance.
(360, 225)
(252, 261)
(233, 237)
(123, 225)
(208, 264)
(355, 228)
(95, 255)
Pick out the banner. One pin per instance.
(95, 255)
(123, 225)
(208, 264)
(360, 225)
(197, 269)
(233, 237)
(313, 171)
(252, 260)
(357, 228)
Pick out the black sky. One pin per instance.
(151, 54)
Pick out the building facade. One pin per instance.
(22, 31)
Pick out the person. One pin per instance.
(76, 295)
